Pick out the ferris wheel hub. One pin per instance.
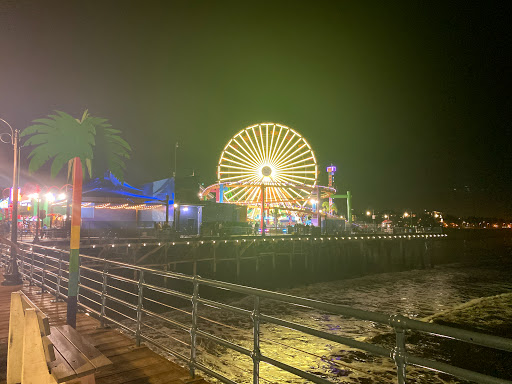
(266, 171)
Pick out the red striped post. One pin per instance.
(74, 249)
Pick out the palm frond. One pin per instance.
(89, 166)
(60, 138)
(37, 128)
(59, 161)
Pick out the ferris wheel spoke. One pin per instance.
(266, 142)
(304, 178)
(289, 145)
(286, 143)
(254, 195)
(233, 196)
(298, 172)
(241, 195)
(283, 143)
(283, 193)
(304, 165)
(247, 179)
(278, 142)
(282, 178)
(256, 140)
(274, 194)
(263, 153)
(226, 179)
(308, 162)
(275, 197)
(237, 172)
(234, 167)
(285, 155)
(255, 151)
(247, 158)
(271, 141)
(294, 156)
(247, 149)
(290, 179)
(294, 179)
(295, 193)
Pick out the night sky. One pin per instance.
(411, 100)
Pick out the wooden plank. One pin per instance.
(130, 365)
(34, 368)
(60, 368)
(92, 354)
(49, 351)
(44, 322)
(129, 375)
(106, 347)
(74, 357)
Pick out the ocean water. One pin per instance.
(415, 293)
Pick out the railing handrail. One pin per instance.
(398, 322)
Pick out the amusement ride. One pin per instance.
(266, 167)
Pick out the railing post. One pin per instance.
(32, 266)
(193, 329)
(103, 293)
(43, 272)
(139, 307)
(256, 354)
(22, 264)
(59, 279)
(399, 352)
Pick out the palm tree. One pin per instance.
(325, 206)
(62, 139)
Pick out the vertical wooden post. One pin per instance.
(15, 347)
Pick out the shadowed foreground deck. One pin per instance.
(132, 364)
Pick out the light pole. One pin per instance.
(13, 277)
(175, 164)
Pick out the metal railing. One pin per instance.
(128, 296)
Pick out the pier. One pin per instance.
(190, 322)
(131, 364)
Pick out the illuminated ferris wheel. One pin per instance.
(271, 158)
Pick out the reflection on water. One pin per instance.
(416, 294)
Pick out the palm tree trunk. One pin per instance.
(74, 248)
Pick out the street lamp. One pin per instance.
(175, 163)
(12, 276)
(176, 214)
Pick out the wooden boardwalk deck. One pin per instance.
(132, 364)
